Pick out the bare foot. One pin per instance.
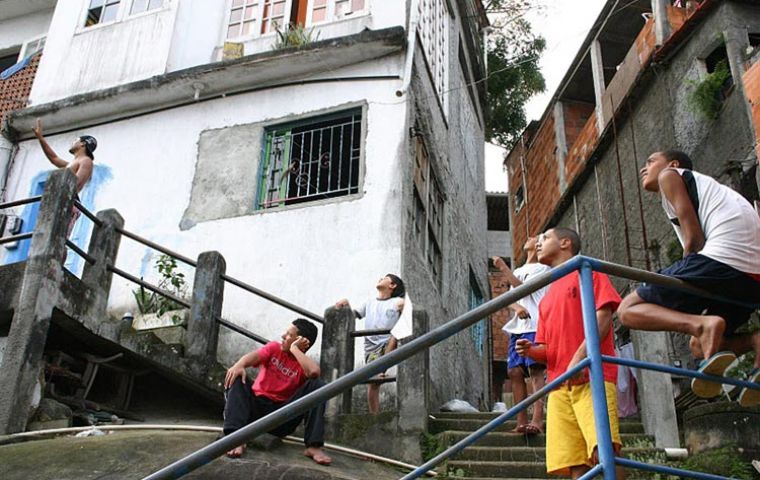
(236, 452)
(316, 454)
(711, 335)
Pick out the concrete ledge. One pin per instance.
(175, 89)
(716, 425)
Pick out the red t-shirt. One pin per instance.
(280, 374)
(560, 325)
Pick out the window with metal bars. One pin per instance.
(101, 11)
(433, 29)
(428, 211)
(311, 161)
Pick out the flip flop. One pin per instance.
(715, 365)
(749, 397)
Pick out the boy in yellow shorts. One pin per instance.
(560, 343)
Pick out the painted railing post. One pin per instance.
(40, 293)
(337, 355)
(594, 353)
(208, 296)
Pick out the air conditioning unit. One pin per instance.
(10, 225)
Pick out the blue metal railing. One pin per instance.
(594, 361)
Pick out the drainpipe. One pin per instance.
(7, 149)
(410, 44)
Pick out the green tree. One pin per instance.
(513, 72)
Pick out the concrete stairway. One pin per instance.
(507, 456)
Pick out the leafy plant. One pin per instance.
(430, 445)
(514, 75)
(707, 97)
(293, 36)
(724, 461)
(171, 281)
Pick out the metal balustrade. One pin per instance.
(594, 361)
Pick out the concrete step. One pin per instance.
(498, 469)
(504, 439)
(471, 424)
(530, 454)
(492, 415)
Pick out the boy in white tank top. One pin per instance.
(720, 234)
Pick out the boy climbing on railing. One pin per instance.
(720, 234)
(571, 440)
(380, 313)
(523, 324)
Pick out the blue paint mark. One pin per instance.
(82, 229)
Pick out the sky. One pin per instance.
(564, 24)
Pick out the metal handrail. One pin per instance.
(155, 246)
(350, 380)
(367, 333)
(147, 285)
(588, 264)
(272, 298)
(496, 422)
(88, 213)
(16, 238)
(23, 201)
(594, 359)
(225, 277)
(86, 256)
(242, 331)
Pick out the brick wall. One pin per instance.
(499, 285)
(576, 115)
(542, 184)
(14, 91)
(581, 150)
(751, 80)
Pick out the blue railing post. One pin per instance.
(598, 394)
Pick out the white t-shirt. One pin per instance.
(530, 303)
(730, 223)
(379, 315)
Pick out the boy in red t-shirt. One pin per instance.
(285, 374)
(561, 344)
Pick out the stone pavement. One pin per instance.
(134, 454)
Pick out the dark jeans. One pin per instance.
(243, 407)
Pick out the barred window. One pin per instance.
(101, 11)
(429, 204)
(311, 160)
(433, 30)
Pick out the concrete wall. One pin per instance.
(180, 35)
(499, 243)
(299, 254)
(454, 139)
(15, 31)
(662, 119)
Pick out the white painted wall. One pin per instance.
(312, 255)
(79, 59)
(182, 34)
(15, 31)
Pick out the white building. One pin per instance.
(313, 170)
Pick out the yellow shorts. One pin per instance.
(570, 430)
